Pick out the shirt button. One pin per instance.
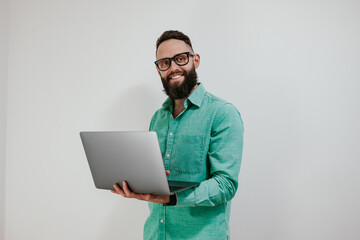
(170, 134)
(161, 221)
(168, 155)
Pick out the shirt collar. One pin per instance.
(195, 98)
(197, 95)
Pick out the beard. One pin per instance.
(182, 90)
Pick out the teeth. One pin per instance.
(177, 76)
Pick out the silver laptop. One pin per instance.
(134, 157)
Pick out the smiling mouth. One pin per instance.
(176, 77)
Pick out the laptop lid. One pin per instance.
(134, 157)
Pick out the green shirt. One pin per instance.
(202, 144)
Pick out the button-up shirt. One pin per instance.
(202, 144)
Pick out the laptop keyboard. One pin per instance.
(178, 185)
(175, 188)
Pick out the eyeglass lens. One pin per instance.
(181, 60)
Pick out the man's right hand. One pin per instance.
(125, 192)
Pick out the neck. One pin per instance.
(179, 103)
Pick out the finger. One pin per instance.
(167, 172)
(147, 197)
(118, 190)
(113, 191)
(126, 189)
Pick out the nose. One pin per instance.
(173, 66)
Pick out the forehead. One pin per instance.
(171, 47)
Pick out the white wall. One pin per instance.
(291, 68)
(3, 97)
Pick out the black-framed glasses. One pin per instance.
(180, 59)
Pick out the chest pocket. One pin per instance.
(188, 154)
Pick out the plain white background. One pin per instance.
(292, 68)
(3, 90)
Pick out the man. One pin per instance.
(201, 140)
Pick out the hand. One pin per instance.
(125, 192)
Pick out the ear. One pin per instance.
(196, 60)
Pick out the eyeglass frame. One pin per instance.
(173, 59)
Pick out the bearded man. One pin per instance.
(201, 140)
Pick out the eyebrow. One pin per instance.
(174, 55)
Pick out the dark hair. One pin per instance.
(173, 34)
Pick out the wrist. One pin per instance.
(172, 200)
